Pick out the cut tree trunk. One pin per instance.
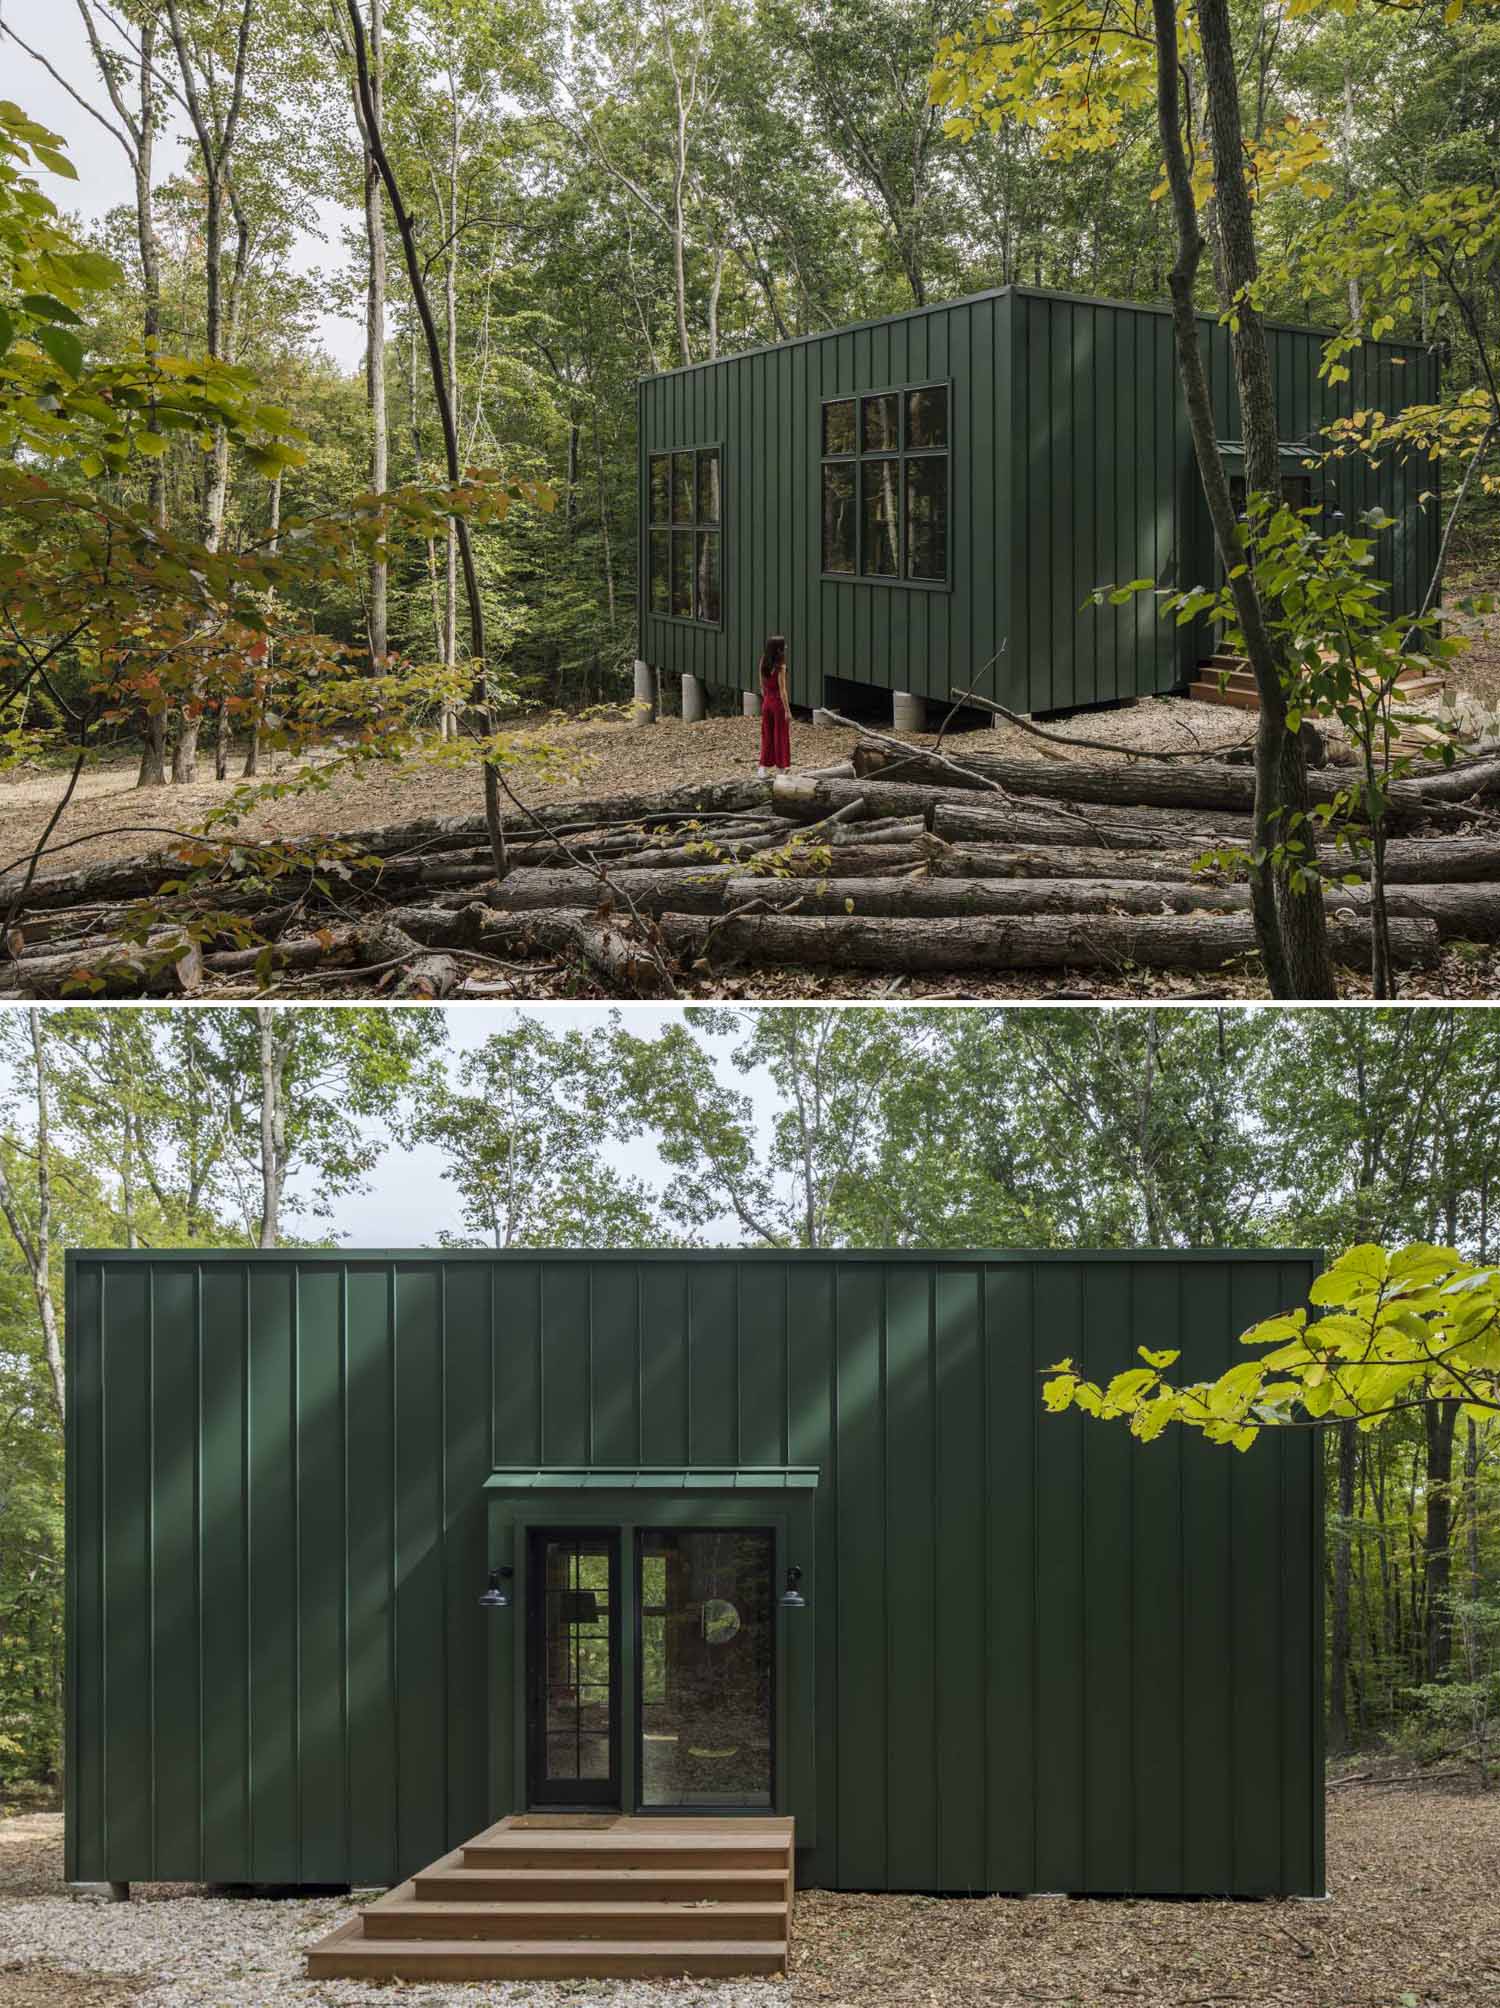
(990, 945)
(1188, 785)
(948, 811)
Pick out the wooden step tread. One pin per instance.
(538, 1959)
(687, 1923)
(525, 1885)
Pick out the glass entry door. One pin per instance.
(573, 1659)
(706, 1604)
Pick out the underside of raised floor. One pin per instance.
(582, 1896)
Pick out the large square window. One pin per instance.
(884, 491)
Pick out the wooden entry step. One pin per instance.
(1228, 679)
(592, 1899)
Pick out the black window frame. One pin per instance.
(697, 527)
(901, 453)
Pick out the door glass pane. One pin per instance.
(708, 486)
(577, 1626)
(661, 488)
(881, 421)
(838, 518)
(838, 426)
(707, 1649)
(682, 487)
(682, 574)
(880, 529)
(927, 518)
(927, 416)
(661, 561)
(706, 577)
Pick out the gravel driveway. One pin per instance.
(167, 1948)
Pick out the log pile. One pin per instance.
(903, 864)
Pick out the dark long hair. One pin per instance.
(773, 655)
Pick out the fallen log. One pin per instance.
(954, 811)
(1464, 781)
(1466, 913)
(1191, 785)
(990, 944)
(1408, 861)
(167, 966)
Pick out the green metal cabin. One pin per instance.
(906, 498)
(755, 1532)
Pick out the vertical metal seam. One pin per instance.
(103, 1551)
(196, 1275)
(346, 1705)
(392, 1628)
(934, 1409)
(151, 1611)
(294, 1295)
(589, 1384)
(442, 1518)
(247, 1506)
(1181, 1697)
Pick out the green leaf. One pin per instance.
(42, 307)
(64, 348)
(7, 331)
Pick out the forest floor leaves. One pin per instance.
(1413, 1922)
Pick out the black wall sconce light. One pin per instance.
(791, 1598)
(497, 1596)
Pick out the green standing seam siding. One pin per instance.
(1071, 467)
(1046, 1657)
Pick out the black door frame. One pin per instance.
(570, 1792)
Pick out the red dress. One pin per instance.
(775, 726)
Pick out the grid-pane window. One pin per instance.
(684, 551)
(885, 485)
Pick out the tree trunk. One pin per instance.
(272, 1049)
(1440, 1420)
(990, 944)
(375, 338)
(1339, 1634)
(35, 1246)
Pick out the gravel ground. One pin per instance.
(1414, 1922)
(172, 1947)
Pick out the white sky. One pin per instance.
(54, 29)
(409, 1201)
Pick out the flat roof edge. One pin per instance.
(978, 299)
(337, 1257)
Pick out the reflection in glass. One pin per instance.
(708, 486)
(838, 426)
(881, 423)
(706, 1667)
(706, 598)
(838, 519)
(927, 416)
(927, 518)
(577, 1618)
(682, 487)
(661, 563)
(880, 529)
(682, 574)
(661, 488)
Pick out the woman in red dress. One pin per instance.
(775, 709)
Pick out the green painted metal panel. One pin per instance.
(1071, 467)
(1037, 1655)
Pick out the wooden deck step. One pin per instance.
(540, 1899)
(578, 1920)
(648, 1885)
(521, 1959)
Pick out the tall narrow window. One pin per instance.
(885, 486)
(684, 558)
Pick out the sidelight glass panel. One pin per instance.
(706, 578)
(927, 518)
(707, 1650)
(708, 486)
(838, 426)
(880, 423)
(661, 571)
(927, 417)
(577, 1622)
(661, 488)
(682, 487)
(880, 522)
(838, 518)
(682, 574)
